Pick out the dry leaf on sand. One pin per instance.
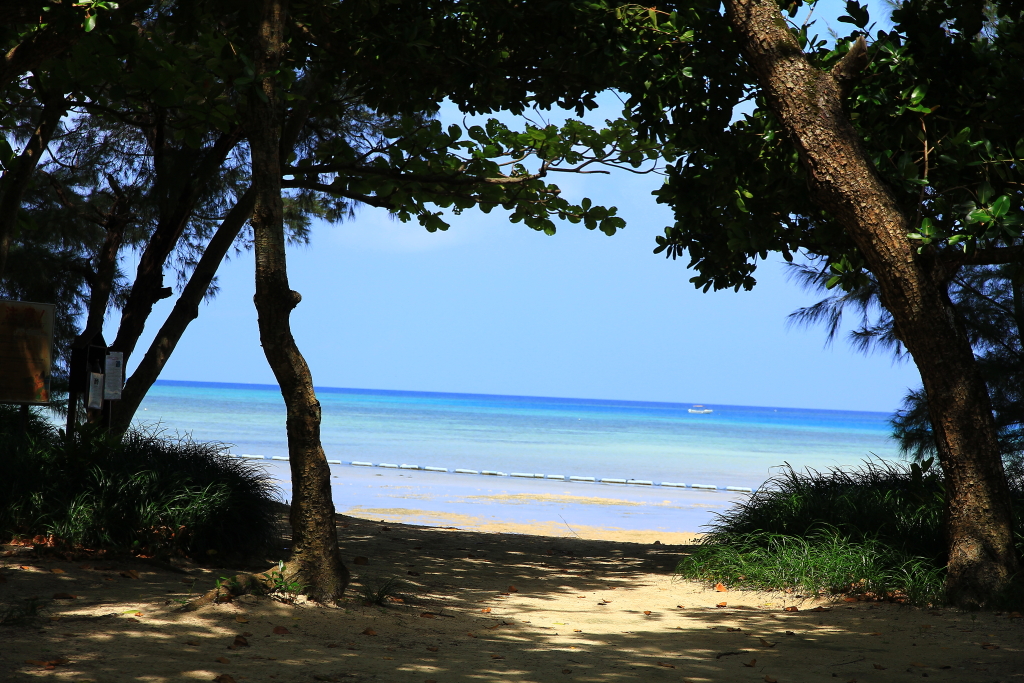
(485, 610)
(769, 679)
(369, 632)
(223, 678)
(223, 660)
(766, 643)
(471, 635)
(667, 665)
(240, 641)
(989, 646)
(130, 574)
(281, 630)
(432, 648)
(567, 671)
(193, 643)
(720, 587)
(721, 604)
(792, 608)
(241, 620)
(497, 656)
(429, 615)
(733, 630)
(513, 589)
(57, 570)
(879, 667)
(647, 612)
(751, 663)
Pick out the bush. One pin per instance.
(144, 492)
(877, 529)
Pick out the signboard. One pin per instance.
(95, 399)
(113, 374)
(26, 352)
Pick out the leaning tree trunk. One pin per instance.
(807, 101)
(315, 555)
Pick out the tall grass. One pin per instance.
(144, 492)
(876, 529)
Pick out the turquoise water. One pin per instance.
(733, 446)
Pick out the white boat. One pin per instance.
(700, 410)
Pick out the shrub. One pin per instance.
(876, 529)
(145, 492)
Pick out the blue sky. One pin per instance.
(493, 307)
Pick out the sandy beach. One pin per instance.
(594, 605)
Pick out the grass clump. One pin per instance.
(381, 592)
(876, 531)
(143, 492)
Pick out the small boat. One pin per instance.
(700, 410)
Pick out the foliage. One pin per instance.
(381, 592)
(876, 529)
(142, 493)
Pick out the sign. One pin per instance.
(113, 374)
(26, 352)
(95, 390)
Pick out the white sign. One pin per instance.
(95, 390)
(114, 375)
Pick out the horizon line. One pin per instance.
(355, 390)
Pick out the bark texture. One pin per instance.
(982, 559)
(315, 555)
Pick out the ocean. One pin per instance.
(732, 446)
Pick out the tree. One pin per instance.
(814, 168)
(991, 301)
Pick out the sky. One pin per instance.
(496, 308)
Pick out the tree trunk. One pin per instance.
(148, 287)
(979, 521)
(315, 556)
(15, 181)
(186, 309)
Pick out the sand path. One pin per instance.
(482, 607)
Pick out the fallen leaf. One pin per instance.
(432, 648)
(241, 620)
(733, 630)
(281, 630)
(429, 615)
(989, 646)
(485, 610)
(412, 573)
(667, 665)
(497, 656)
(567, 671)
(769, 679)
(751, 663)
(130, 574)
(849, 599)
(247, 634)
(513, 589)
(193, 643)
(766, 643)
(360, 560)
(790, 633)
(879, 667)
(819, 608)
(577, 630)
(647, 612)
(241, 641)
(471, 635)
(369, 632)
(333, 645)
(720, 587)
(223, 660)
(792, 608)
(57, 570)
(721, 604)
(876, 633)
(64, 596)
(605, 602)
(223, 678)
(680, 607)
